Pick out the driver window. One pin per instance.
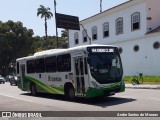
(115, 62)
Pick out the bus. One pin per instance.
(84, 71)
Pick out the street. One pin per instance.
(13, 99)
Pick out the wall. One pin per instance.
(146, 60)
(110, 16)
(152, 10)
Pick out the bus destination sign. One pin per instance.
(102, 50)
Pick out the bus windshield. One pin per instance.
(106, 67)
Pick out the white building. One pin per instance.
(134, 27)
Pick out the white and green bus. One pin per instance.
(84, 71)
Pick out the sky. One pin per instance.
(25, 11)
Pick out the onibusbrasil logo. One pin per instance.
(21, 114)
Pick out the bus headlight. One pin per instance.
(95, 85)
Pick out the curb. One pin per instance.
(143, 87)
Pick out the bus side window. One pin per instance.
(17, 67)
(64, 63)
(40, 65)
(51, 64)
(30, 66)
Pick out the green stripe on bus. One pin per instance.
(49, 89)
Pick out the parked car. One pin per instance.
(2, 80)
(13, 80)
(8, 77)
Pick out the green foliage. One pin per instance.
(17, 41)
(41, 44)
(147, 79)
(64, 33)
(14, 43)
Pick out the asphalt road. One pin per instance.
(13, 99)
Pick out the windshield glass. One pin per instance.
(1, 76)
(106, 67)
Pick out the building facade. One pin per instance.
(133, 27)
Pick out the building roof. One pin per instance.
(106, 10)
(154, 30)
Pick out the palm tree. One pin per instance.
(46, 14)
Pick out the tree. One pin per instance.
(15, 42)
(46, 14)
(64, 34)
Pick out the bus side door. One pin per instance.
(81, 75)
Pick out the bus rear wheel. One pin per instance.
(33, 90)
(70, 93)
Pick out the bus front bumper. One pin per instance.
(106, 91)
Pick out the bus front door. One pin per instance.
(79, 76)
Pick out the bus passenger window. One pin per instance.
(40, 66)
(64, 63)
(30, 66)
(51, 64)
(17, 67)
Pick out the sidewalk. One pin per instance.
(142, 86)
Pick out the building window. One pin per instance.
(119, 26)
(84, 35)
(156, 45)
(76, 38)
(135, 19)
(105, 29)
(136, 48)
(94, 33)
(120, 50)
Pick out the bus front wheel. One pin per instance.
(33, 89)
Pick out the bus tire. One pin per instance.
(33, 89)
(70, 92)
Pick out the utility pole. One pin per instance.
(55, 22)
(100, 6)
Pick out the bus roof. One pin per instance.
(53, 51)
